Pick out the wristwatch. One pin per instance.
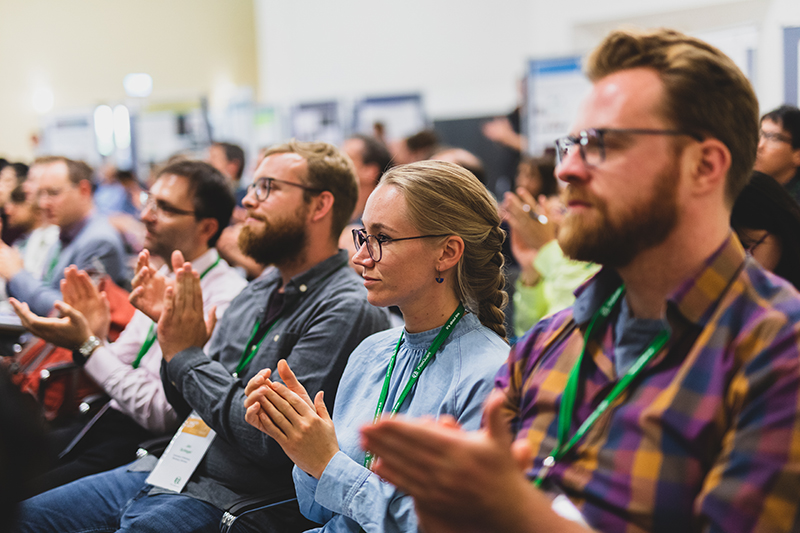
(87, 348)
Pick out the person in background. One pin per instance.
(11, 175)
(86, 239)
(184, 212)
(228, 158)
(779, 148)
(547, 278)
(767, 220)
(37, 236)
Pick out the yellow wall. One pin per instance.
(82, 49)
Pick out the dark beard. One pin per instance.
(616, 245)
(277, 243)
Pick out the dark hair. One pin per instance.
(18, 195)
(705, 93)
(212, 195)
(788, 118)
(765, 205)
(375, 153)
(233, 152)
(124, 176)
(21, 170)
(545, 168)
(329, 170)
(426, 141)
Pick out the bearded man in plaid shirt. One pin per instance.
(667, 397)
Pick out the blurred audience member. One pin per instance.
(36, 235)
(462, 158)
(417, 147)
(779, 148)
(112, 196)
(11, 175)
(767, 220)
(86, 239)
(228, 158)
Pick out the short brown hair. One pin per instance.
(706, 93)
(330, 170)
(76, 170)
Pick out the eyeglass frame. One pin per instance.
(750, 249)
(581, 140)
(774, 136)
(269, 181)
(381, 240)
(160, 207)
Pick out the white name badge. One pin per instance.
(564, 508)
(184, 453)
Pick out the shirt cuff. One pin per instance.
(339, 483)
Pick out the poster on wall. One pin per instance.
(390, 117)
(555, 89)
(317, 122)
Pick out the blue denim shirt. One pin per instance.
(457, 381)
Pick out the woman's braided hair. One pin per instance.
(444, 198)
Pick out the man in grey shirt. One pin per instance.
(310, 310)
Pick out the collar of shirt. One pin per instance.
(695, 299)
(200, 264)
(68, 233)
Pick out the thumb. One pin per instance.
(211, 320)
(495, 420)
(321, 408)
(177, 260)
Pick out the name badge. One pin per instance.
(184, 453)
(564, 508)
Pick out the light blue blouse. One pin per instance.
(456, 382)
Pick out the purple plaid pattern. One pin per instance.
(707, 438)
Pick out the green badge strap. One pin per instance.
(151, 334)
(412, 380)
(567, 409)
(48, 277)
(252, 347)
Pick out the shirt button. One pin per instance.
(276, 338)
(303, 288)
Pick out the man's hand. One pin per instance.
(68, 331)
(286, 413)
(80, 293)
(149, 285)
(181, 324)
(11, 262)
(462, 481)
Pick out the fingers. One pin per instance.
(143, 261)
(495, 420)
(177, 260)
(257, 380)
(526, 197)
(211, 320)
(24, 313)
(290, 380)
(321, 408)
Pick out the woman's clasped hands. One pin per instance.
(285, 412)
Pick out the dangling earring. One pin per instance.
(439, 278)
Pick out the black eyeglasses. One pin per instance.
(263, 186)
(750, 249)
(160, 207)
(375, 242)
(591, 142)
(774, 136)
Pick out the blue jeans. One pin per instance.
(116, 500)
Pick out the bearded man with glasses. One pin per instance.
(668, 397)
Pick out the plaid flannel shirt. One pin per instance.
(707, 438)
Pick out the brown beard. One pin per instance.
(277, 243)
(616, 244)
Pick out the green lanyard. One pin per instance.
(151, 334)
(252, 347)
(567, 410)
(48, 277)
(412, 380)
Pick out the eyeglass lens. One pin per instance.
(373, 244)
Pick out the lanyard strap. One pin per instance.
(151, 333)
(567, 409)
(48, 276)
(252, 347)
(412, 380)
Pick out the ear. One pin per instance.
(796, 157)
(85, 187)
(707, 163)
(207, 227)
(321, 205)
(451, 254)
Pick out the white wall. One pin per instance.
(465, 58)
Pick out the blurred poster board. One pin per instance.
(317, 122)
(69, 134)
(163, 130)
(555, 89)
(791, 65)
(396, 116)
